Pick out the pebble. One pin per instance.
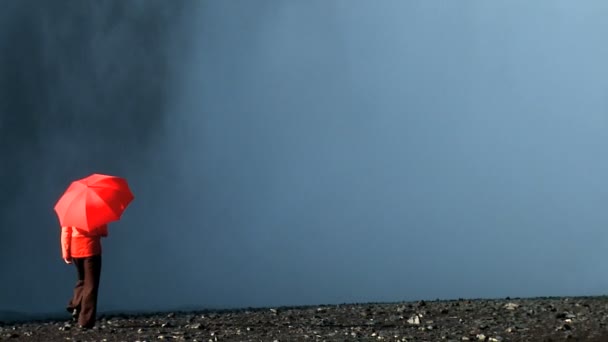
(477, 320)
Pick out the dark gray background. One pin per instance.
(305, 152)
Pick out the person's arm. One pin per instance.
(66, 240)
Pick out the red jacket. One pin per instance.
(77, 243)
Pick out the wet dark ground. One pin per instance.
(536, 319)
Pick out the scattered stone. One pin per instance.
(195, 326)
(414, 320)
(466, 320)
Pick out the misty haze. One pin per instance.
(308, 152)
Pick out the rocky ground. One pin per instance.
(538, 319)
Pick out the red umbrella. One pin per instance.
(93, 201)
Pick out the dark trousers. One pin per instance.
(85, 292)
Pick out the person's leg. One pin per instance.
(74, 303)
(92, 272)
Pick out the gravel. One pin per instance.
(532, 319)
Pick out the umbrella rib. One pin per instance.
(106, 202)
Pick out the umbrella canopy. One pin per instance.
(93, 201)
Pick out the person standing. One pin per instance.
(83, 249)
